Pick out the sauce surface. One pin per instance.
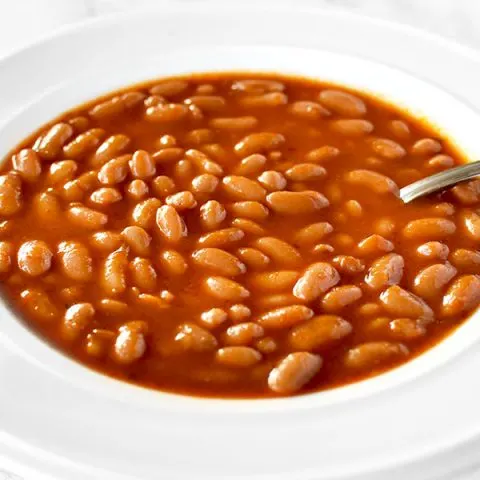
(237, 235)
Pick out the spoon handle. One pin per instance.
(439, 181)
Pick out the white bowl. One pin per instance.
(413, 422)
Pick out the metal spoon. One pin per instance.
(439, 181)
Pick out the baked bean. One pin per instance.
(183, 171)
(47, 206)
(251, 164)
(167, 141)
(317, 279)
(239, 312)
(76, 319)
(170, 224)
(238, 356)
(143, 274)
(116, 105)
(406, 329)
(466, 260)
(259, 143)
(10, 195)
(173, 262)
(384, 227)
(272, 180)
(374, 244)
(208, 103)
(374, 354)
(318, 332)
(195, 338)
(86, 217)
(275, 281)
(348, 264)
(112, 147)
(212, 214)
(388, 149)
(322, 154)
(352, 127)
(371, 180)
(462, 295)
(369, 309)
(234, 123)
(182, 200)
(205, 183)
(431, 280)
(145, 212)
(248, 226)
(130, 345)
(253, 258)
(142, 165)
(109, 306)
(296, 203)
(137, 189)
(163, 186)
(308, 110)
(114, 171)
(221, 238)
(106, 241)
(322, 248)
(266, 345)
(38, 304)
(294, 372)
(279, 251)
(433, 250)
(169, 88)
(467, 193)
(105, 196)
(385, 271)
(214, 317)
(225, 289)
(61, 172)
(305, 171)
(285, 317)
(27, 164)
(166, 113)
(150, 303)
(426, 146)
(471, 223)
(83, 143)
(98, 342)
(203, 162)
(429, 228)
(168, 155)
(272, 99)
(242, 188)
(75, 261)
(443, 209)
(34, 258)
(401, 303)
(218, 261)
(313, 233)
(257, 86)
(80, 123)
(440, 162)
(340, 297)
(113, 274)
(343, 103)
(6, 254)
(400, 129)
(53, 141)
(137, 239)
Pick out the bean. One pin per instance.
(195, 338)
(234, 123)
(303, 172)
(114, 171)
(250, 165)
(374, 244)
(212, 214)
(253, 258)
(373, 181)
(6, 254)
(312, 234)
(137, 239)
(401, 303)
(279, 251)
(98, 341)
(79, 124)
(225, 289)
(266, 345)
(169, 88)
(466, 260)
(166, 113)
(38, 304)
(308, 110)
(10, 195)
(388, 149)
(321, 154)
(385, 271)
(61, 172)
(173, 262)
(426, 146)
(259, 143)
(400, 129)
(46, 206)
(239, 312)
(440, 162)
(296, 203)
(257, 86)
(34, 258)
(243, 333)
(214, 317)
(238, 356)
(462, 295)
(221, 238)
(429, 228)
(340, 297)
(348, 264)
(272, 180)
(467, 193)
(143, 274)
(86, 217)
(168, 155)
(285, 317)
(76, 319)
(203, 162)
(163, 186)
(242, 188)
(75, 261)
(53, 141)
(182, 200)
(130, 345)
(406, 329)
(343, 103)
(208, 103)
(142, 165)
(112, 147)
(205, 183)
(170, 224)
(150, 303)
(248, 226)
(471, 223)
(271, 99)
(294, 372)
(374, 354)
(27, 164)
(83, 144)
(431, 280)
(318, 332)
(218, 261)
(105, 196)
(112, 307)
(275, 281)
(137, 189)
(113, 275)
(106, 241)
(352, 127)
(144, 213)
(317, 279)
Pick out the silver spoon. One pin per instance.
(439, 181)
